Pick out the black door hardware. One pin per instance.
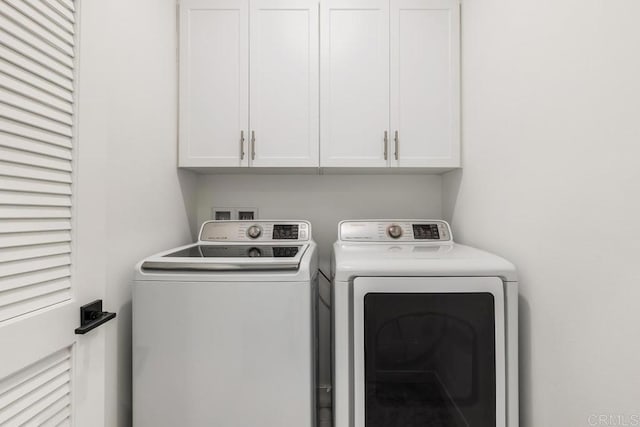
(92, 316)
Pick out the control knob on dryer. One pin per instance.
(254, 231)
(394, 231)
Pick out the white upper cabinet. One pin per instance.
(249, 83)
(390, 83)
(425, 88)
(284, 83)
(320, 83)
(214, 82)
(354, 40)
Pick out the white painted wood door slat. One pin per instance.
(51, 15)
(33, 199)
(41, 301)
(30, 404)
(38, 238)
(35, 94)
(30, 26)
(27, 212)
(23, 41)
(34, 159)
(33, 251)
(61, 418)
(38, 18)
(24, 117)
(28, 185)
(27, 394)
(10, 127)
(33, 146)
(25, 266)
(39, 290)
(52, 412)
(31, 225)
(21, 171)
(31, 66)
(35, 106)
(33, 278)
(68, 4)
(60, 9)
(36, 82)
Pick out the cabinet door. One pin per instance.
(425, 83)
(354, 112)
(284, 83)
(214, 50)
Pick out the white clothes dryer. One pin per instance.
(424, 329)
(224, 329)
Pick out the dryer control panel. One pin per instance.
(395, 231)
(255, 231)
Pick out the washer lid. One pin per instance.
(228, 257)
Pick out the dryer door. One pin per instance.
(429, 352)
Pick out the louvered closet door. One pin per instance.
(38, 312)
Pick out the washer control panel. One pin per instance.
(395, 231)
(255, 231)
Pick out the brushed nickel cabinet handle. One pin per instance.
(396, 139)
(386, 144)
(241, 145)
(253, 145)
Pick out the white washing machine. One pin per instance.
(224, 329)
(425, 329)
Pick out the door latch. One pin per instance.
(92, 316)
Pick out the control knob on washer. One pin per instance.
(394, 231)
(254, 253)
(254, 231)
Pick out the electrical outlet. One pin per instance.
(222, 214)
(247, 214)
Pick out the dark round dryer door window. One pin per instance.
(430, 360)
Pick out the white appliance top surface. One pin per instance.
(229, 248)
(438, 256)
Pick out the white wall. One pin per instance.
(324, 200)
(127, 113)
(551, 178)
